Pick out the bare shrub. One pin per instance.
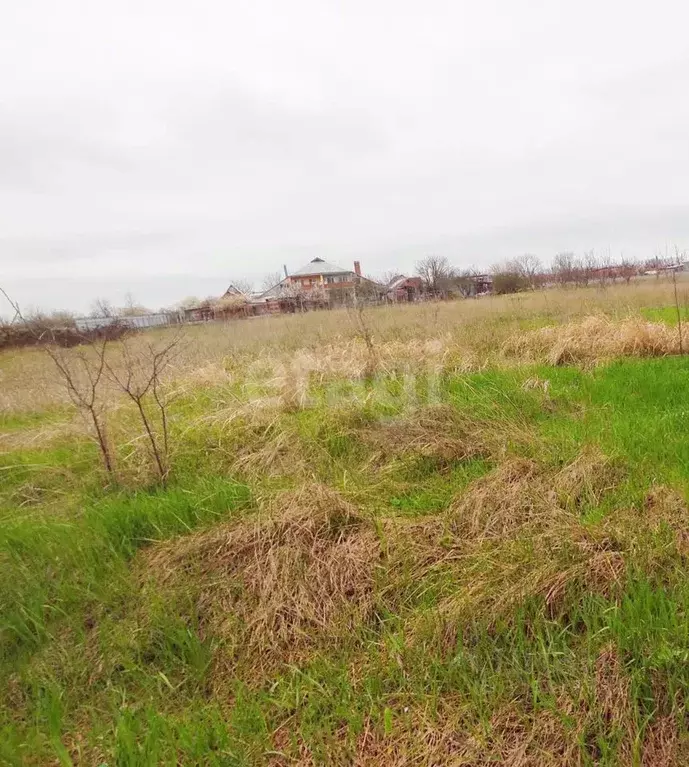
(508, 278)
(358, 316)
(82, 374)
(138, 372)
(565, 268)
(529, 267)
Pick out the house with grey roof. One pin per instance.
(318, 277)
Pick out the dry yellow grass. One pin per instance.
(41, 436)
(275, 586)
(517, 534)
(585, 480)
(593, 339)
(520, 494)
(267, 449)
(339, 621)
(438, 432)
(458, 335)
(404, 322)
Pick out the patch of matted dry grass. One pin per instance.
(520, 493)
(442, 433)
(275, 586)
(271, 449)
(447, 735)
(310, 569)
(519, 533)
(591, 340)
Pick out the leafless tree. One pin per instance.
(189, 302)
(339, 296)
(584, 268)
(508, 279)
(464, 282)
(85, 390)
(271, 280)
(368, 290)
(564, 268)
(101, 307)
(654, 264)
(436, 273)
(627, 269)
(131, 308)
(42, 320)
(138, 373)
(387, 277)
(604, 269)
(304, 298)
(244, 286)
(82, 373)
(528, 266)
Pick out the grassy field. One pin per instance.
(420, 535)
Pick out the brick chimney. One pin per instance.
(357, 268)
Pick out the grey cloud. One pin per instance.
(269, 130)
(36, 148)
(160, 149)
(43, 250)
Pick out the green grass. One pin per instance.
(26, 420)
(98, 664)
(637, 410)
(666, 314)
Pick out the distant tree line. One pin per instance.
(439, 279)
(527, 272)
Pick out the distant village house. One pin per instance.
(318, 284)
(403, 288)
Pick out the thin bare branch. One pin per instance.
(84, 397)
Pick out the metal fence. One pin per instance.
(139, 321)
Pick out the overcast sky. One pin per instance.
(166, 148)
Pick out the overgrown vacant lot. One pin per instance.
(439, 534)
